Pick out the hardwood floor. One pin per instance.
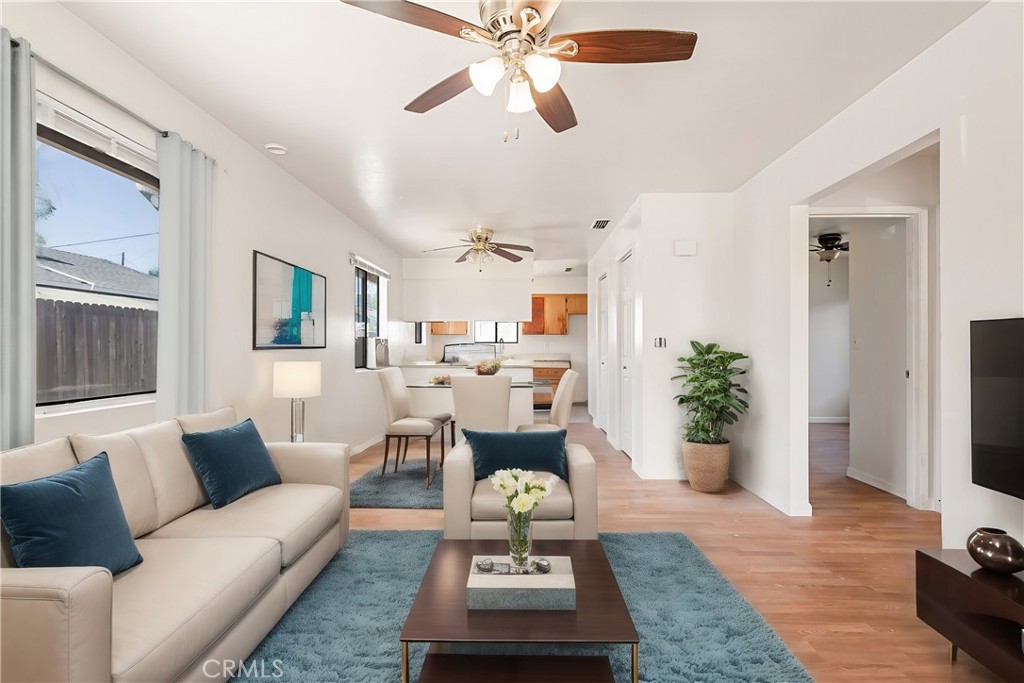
(838, 587)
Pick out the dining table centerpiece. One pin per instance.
(523, 491)
(489, 366)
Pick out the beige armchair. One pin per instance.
(561, 406)
(473, 509)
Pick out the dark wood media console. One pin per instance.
(977, 610)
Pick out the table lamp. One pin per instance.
(297, 379)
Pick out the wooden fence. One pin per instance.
(92, 351)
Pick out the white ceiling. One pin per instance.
(330, 81)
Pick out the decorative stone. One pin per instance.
(553, 590)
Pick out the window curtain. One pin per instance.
(186, 217)
(17, 243)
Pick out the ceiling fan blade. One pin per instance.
(629, 46)
(519, 247)
(417, 15)
(515, 258)
(441, 93)
(464, 256)
(454, 246)
(553, 106)
(845, 246)
(815, 247)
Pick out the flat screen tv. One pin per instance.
(997, 405)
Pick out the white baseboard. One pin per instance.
(363, 446)
(871, 480)
(829, 420)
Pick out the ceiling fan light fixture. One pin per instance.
(829, 255)
(519, 98)
(485, 75)
(544, 71)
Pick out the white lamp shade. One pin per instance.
(519, 98)
(296, 378)
(486, 74)
(544, 71)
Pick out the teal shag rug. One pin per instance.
(402, 489)
(694, 627)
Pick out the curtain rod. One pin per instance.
(117, 105)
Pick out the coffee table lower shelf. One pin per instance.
(451, 668)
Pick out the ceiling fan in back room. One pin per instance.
(830, 246)
(519, 31)
(482, 248)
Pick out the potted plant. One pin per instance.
(712, 399)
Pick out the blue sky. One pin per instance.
(95, 204)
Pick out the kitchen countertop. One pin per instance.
(436, 364)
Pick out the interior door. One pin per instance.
(601, 414)
(627, 322)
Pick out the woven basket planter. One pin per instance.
(707, 465)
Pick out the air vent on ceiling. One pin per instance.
(600, 225)
(569, 269)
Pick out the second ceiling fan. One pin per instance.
(519, 31)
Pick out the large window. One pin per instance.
(97, 273)
(367, 313)
(495, 332)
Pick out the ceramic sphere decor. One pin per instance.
(488, 367)
(996, 550)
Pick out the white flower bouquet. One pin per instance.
(523, 491)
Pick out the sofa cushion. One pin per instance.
(205, 422)
(31, 462)
(535, 451)
(296, 515)
(488, 504)
(176, 485)
(188, 592)
(131, 476)
(69, 519)
(231, 462)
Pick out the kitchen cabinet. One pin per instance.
(542, 397)
(452, 327)
(551, 312)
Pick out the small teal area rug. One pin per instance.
(694, 627)
(405, 488)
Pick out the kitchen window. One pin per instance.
(489, 331)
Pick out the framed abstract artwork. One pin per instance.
(289, 305)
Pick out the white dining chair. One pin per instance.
(482, 401)
(561, 406)
(403, 425)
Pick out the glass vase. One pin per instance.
(520, 538)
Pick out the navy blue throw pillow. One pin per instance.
(231, 462)
(541, 451)
(70, 519)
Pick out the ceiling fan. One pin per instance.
(483, 249)
(518, 30)
(830, 246)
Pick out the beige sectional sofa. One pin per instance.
(212, 582)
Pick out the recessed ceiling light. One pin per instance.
(275, 148)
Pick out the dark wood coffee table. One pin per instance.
(439, 615)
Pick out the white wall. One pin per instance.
(678, 298)
(257, 206)
(878, 358)
(829, 324)
(968, 86)
(439, 289)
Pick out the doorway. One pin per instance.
(602, 354)
(888, 372)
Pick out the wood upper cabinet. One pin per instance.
(551, 312)
(576, 304)
(452, 327)
(536, 324)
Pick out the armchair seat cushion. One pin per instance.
(294, 515)
(413, 426)
(489, 505)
